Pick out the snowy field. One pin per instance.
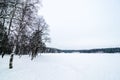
(62, 67)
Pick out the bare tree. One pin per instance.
(39, 37)
(26, 32)
(25, 14)
(3, 18)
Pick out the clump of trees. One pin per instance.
(22, 31)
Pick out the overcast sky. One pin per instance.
(82, 24)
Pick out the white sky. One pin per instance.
(82, 24)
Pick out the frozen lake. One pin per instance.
(62, 67)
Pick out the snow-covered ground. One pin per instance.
(62, 67)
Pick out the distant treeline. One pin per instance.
(101, 50)
(55, 50)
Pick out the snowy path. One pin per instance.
(63, 67)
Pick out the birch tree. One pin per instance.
(25, 14)
(25, 32)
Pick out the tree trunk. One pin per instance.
(11, 61)
(11, 19)
(3, 54)
(11, 58)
